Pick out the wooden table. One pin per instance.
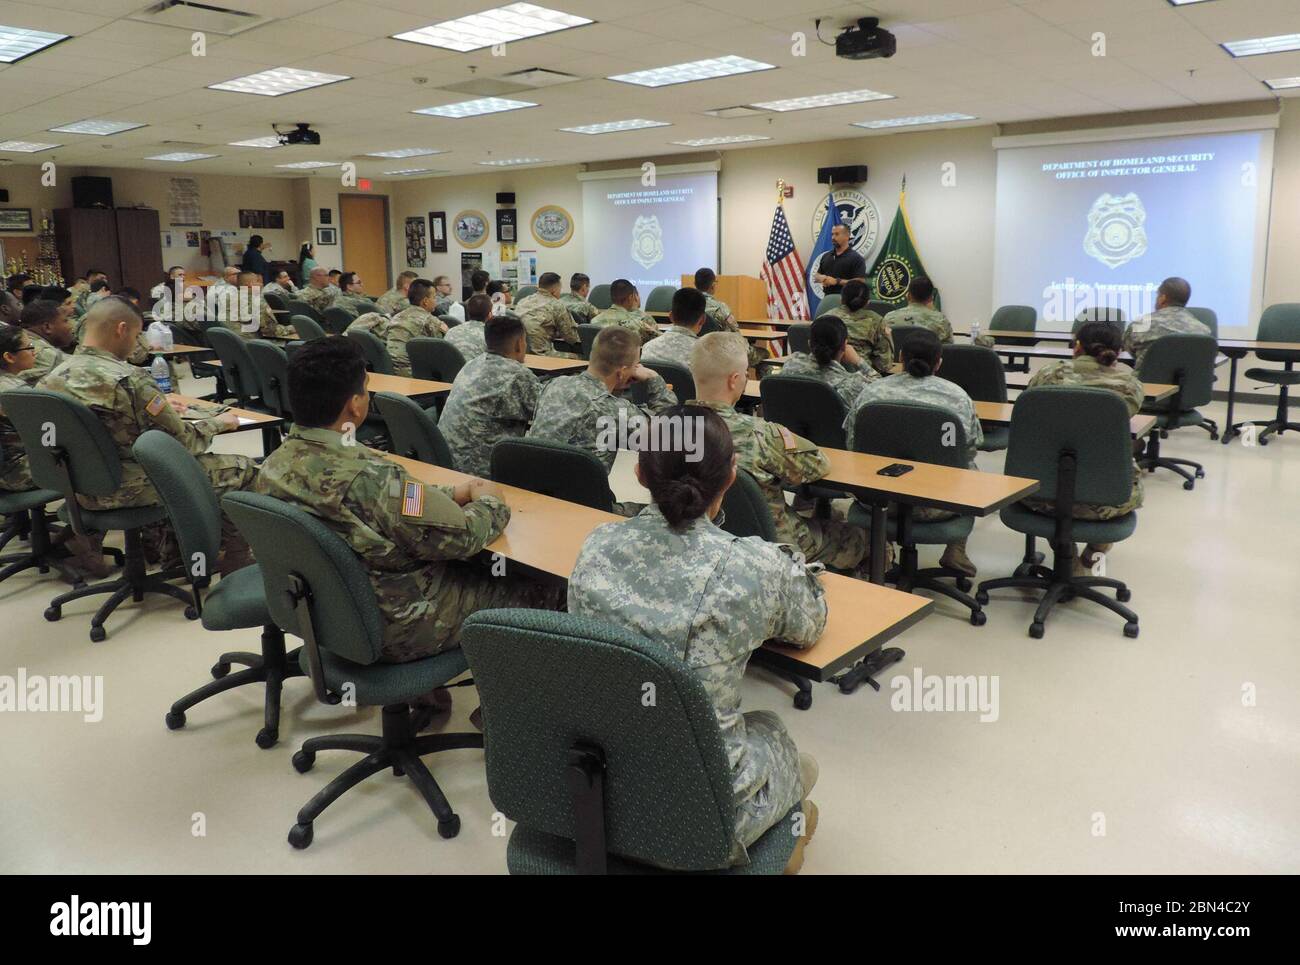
(269, 424)
(1237, 349)
(753, 334)
(999, 414)
(1153, 391)
(545, 365)
(400, 384)
(176, 350)
(546, 534)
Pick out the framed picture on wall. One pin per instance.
(16, 219)
(415, 242)
(326, 216)
(552, 226)
(471, 228)
(437, 231)
(327, 236)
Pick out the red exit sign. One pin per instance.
(363, 184)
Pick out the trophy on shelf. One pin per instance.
(46, 271)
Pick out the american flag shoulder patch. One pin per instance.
(412, 499)
(790, 440)
(156, 404)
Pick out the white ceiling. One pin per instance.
(1000, 60)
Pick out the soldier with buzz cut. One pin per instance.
(416, 540)
(920, 311)
(494, 396)
(575, 299)
(545, 317)
(1171, 317)
(625, 311)
(920, 382)
(352, 293)
(575, 408)
(318, 292)
(772, 454)
(675, 345)
(250, 291)
(392, 301)
(469, 336)
(719, 312)
(416, 320)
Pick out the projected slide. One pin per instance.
(1101, 224)
(650, 234)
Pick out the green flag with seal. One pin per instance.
(898, 262)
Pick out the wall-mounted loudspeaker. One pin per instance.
(505, 197)
(88, 192)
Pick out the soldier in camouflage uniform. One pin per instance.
(414, 321)
(372, 322)
(674, 578)
(719, 312)
(50, 329)
(579, 409)
(352, 294)
(16, 357)
(468, 336)
(1096, 351)
(575, 299)
(918, 382)
(774, 455)
(129, 403)
(415, 539)
(494, 397)
(83, 301)
(545, 317)
(625, 311)
(247, 294)
(1171, 317)
(392, 301)
(832, 360)
(446, 303)
(920, 311)
(675, 345)
(868, 333)
(318, 292)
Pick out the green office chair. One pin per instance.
(238, 370)
(1017, 318)
(336, 319)
(1279, 323)
(235, 602)
(316, 588)
(297, 306)
(434, 359)
(1188, 362)
(83, 459)
(276, 302)
(376, 353)
(524, 292)
(364, 307)
(979, 372)
(25, 512)
(1101, 313)
(451, 321)
(807, 406)
(1076, 442)
(599, 296)
(553, 469)
(916, 432)
(901, 333)
(798, 337)
(271, 364)
(827, 303)
(306, 327)
(588, 333)
(678, 376)
(413, 431)
(1207, 316)
(594, 785)
(884, 308)
(660, 299)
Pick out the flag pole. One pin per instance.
(780, 192)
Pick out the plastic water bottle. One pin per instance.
(157, 334)
(161, 373)
(974, 331)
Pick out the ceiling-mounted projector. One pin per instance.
(301, 134)
(865, 41)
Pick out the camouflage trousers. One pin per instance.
(16, 476)
(770, 749)
(836, 543)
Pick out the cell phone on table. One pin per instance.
(894, 469)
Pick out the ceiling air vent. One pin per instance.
(199, 16)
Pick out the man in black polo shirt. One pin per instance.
(841, 264)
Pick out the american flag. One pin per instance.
(783, 272)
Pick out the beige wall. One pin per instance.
(1281, 279)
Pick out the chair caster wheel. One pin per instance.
(300, 836)
(52, 613)
(1164, 434)
(175, 719)
(963, 584)
(1200, 474)
(1214, 436)
(191, 613)
(1189, 484)
(98, 634)
(1123, 594)
(449, 828)
(219, 670)
(1263, 442)
(1036, 630)
(1130, 629)
(303, 761)
(978, 618)
(267, 738)
(981, 597)
(803, 700)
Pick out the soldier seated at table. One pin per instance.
(318, 292)
(468, 336)
(868, 333)
(1171, 317)
(416, 320)
(675, 345)
(575, 299)
(49, 326)
(392, 301)
(920, 311)
(831, 359)
(719, 312)
(772, 454)
(418, 541)
(625, 311)
(352, 293)
(545, 317)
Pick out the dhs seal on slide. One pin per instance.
(1115, 230)
(858, 212)
(647, 241)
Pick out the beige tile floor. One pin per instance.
(1147, 740)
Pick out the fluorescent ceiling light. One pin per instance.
(710, 141)
(506, 162)
(18, 42)
(26, 147)
(98, 128)
(271, 140)
(180, 156)
(609, 127)
(1281, 83)
(278, 80)
(918, 119)
(305, 165)
(1263, 45)
(500, 25)
(402, 171)
(824, 100)
(407, 152)
(1179, 3)
(484, 105)
(695, 70)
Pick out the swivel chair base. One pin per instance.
(1151, 460)
(1060, 585)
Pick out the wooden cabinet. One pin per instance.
(139, 247)
(123, 242)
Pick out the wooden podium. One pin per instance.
(745, 295)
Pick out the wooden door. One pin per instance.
(363, 224)
(140, 247)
